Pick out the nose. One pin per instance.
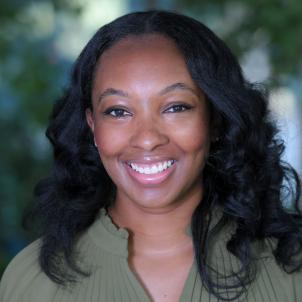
(148, 135)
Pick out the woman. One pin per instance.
(167, 183)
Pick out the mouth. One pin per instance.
(152, 169)
(150, 174)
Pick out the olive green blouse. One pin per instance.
(103, 249)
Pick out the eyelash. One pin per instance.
(183, 106)
(113, 109)
(110, 110)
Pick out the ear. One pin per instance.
(90, 119)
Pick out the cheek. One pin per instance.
(110, 142)
(192, 136)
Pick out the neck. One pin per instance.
(156, 232)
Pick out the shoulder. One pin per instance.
(297, 285)
(26, 262)
(23, 277)
(272, 280)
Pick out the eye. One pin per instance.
(178, 108)
(116, 112)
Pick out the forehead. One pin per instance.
(140, 43)
(150, 58)
(143, 50)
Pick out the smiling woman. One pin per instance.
(168, 181)
(147, 121)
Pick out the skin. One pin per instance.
(155, 124)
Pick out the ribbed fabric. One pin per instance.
(103, 251)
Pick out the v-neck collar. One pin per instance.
(114, 240)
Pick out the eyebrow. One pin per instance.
(170, 88)
(112, 92)
(176, 86)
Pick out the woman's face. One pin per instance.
(150, 122)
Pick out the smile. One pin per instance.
(150, 174)
(152, 169)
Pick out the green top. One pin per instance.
(104, 250)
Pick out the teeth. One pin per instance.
(165, 165)
(152, 169)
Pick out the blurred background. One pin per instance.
(39, 40)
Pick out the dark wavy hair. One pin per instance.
(244, 174)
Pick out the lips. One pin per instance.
(150, 173)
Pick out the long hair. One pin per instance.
(244, 174)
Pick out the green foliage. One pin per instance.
(32, 74)
(275, 23)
